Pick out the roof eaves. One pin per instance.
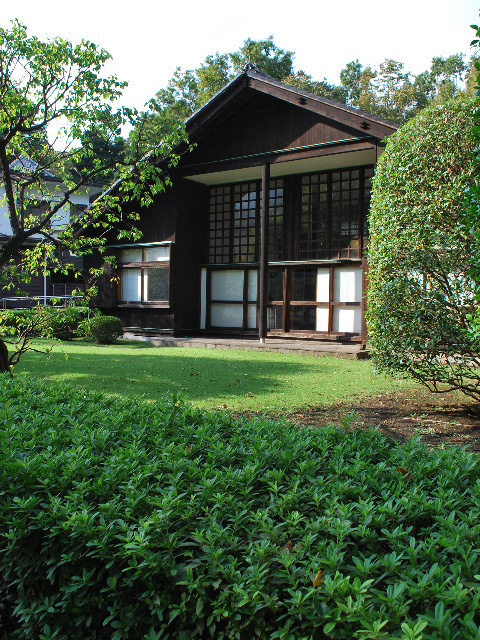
(215, 97)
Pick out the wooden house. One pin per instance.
(264, 230)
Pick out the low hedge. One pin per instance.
(62, 323)
(126, 519)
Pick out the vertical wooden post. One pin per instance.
(364, 302)
(263, 293)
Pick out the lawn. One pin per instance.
(238, 380)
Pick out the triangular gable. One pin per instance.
(234, 95)
(265, 124)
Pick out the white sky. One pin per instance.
(149, 38)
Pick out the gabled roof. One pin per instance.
(27, 166)
(254, 79)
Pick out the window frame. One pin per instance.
(144, 266)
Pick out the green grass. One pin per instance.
(237, 380)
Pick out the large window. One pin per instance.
(334, 206)
(144, 274)
(326, 222)
(235, 222)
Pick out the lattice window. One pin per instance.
(245, 216)
(276, 221)
(331, 213)
(234, 229)
(220, 225)
(314, 218)
(345, 215)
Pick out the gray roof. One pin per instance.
(28, 166)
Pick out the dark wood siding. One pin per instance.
(266, 124)
(191, 245)
(157, 222)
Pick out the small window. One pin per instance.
(144, 274)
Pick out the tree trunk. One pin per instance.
(4, 366)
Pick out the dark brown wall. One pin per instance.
(157, 222)
(190, 252)
(183, 206)
(265, 124)
(145, 318)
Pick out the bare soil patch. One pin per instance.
(448, 419)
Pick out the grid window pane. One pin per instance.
(305, 284)
(156, 285)
(332, 214)
(235, 222)
(131, 285)
(157, 254)
(303, 318)
(143, 282)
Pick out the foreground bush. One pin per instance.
(123, 519)
(421, 294)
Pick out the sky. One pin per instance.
(148, 39)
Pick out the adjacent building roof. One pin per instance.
(27, 166)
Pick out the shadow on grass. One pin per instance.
(233, 378)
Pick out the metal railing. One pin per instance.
(28, 302)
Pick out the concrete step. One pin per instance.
(302, 347)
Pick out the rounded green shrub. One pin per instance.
(106, 329)
(420, 293)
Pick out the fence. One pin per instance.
(27, 302)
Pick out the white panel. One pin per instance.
(227, 285)
(252, 316)
(252, 285)
(203, 298)
(157, 254)
(322, 320)
(347, 320)
(131, 285)
(347, 286)
(226, 315)
(323, 282)
(130, 255)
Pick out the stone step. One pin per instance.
(301, 347)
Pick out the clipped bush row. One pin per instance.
(63, 323)
(126, 519)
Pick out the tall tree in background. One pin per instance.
(189, 90)
(388, 91)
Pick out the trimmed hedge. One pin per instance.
(106, 329)
(420, 292)
(63, 323)
(126, 519)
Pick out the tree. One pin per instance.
(421, 295)
(470, 220)
(447, 74)
(187, 91)
(56, 112)
(265, 55)
(395, 94)
(357, 82)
